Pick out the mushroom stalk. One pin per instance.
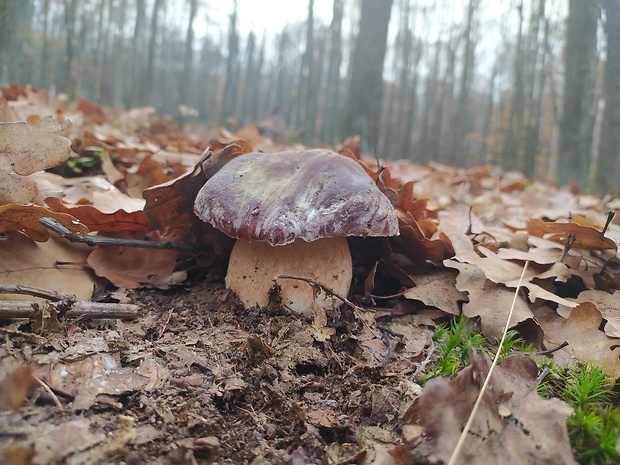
(253, 266)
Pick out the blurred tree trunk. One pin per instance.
(69, 85)
(538, 78)
(608, 166)
(283, 80)
(577, 122)
(231, 86)
(249, 77)
(305, 70)
(457, 151)
(512, 149)
(332, 87)
(431, 104)
(149, 79)
(440, 141)
(363, 110)
(46, 78)
(314, 86)
(392, 122)
(15, 17)
(136, 50)
(186, 81)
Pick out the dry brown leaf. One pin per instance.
(26, 149)
(95, 220)
(606, 303)
(585, 341)
(87, 378)
(494, 268)
(585, 237)
(438, 290)
(513, 424)
(28, 263)
(24, 218)
(488, 300)
(56, 442)
(170, 206)
(16, 387)
(131, 267)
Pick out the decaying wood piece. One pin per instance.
(82, 309)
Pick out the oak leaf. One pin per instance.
(25, 149)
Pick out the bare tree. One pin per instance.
(362, 114)
(608, 166)
(231, 87)
(577, 122)
(332, 87)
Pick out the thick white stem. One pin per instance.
(253, 266)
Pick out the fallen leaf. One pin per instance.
(26, 149)
(28, 263)
(438, 290)
(131, 267)
(24, 218)
(585, 341)
(513, 423)
(96, 220)
(584, 237)
(16, 387)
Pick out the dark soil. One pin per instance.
(201, 380)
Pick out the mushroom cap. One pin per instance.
(308, 194)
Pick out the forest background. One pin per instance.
(534, 88)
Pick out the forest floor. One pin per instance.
(193, 377)
(198, 379)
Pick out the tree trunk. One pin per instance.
(136, 49)
(149, 79)
(577, 120)
(608, 166)
(461, 127)
(186, 80)
(70, 83)
(332, 88)
(229, 101)
(363, 109)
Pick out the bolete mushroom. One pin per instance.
(291, 213)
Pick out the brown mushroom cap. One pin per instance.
(282, 196)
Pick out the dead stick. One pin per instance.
(34, 291)
(83, 309)
(328, 290)
(65, 233)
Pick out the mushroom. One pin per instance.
(291, 213)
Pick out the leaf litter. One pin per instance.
(198, 379)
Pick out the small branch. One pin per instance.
(50, 392)
(610, 216)
(35, 292)
(82, 309)
(65, 233)
(567, 246)
(323, 287)
(555, 349)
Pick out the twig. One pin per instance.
(83, 309)
(385, 338)
(550, 351)
(33, 291)
(610, 216)
(322, 286)
(567, 245)
(50, 392)
(418, 371)
(470, 420)
(53, 225)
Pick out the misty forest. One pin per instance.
(530, 86)
(371, 232)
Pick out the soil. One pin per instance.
(199, 379)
